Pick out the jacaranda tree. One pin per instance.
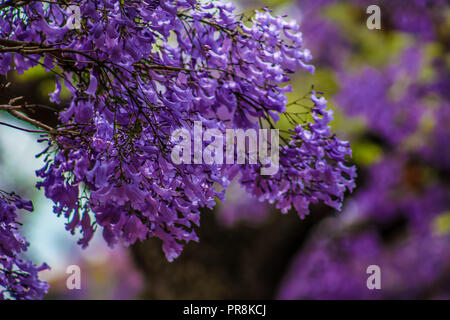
(136, 71)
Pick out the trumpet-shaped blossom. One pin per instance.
(137, 71)
(18, 277)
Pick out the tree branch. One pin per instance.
(31, 121)
(14, 4)
(14, 111)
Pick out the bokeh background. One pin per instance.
(390, 91)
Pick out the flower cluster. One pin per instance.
(137, 71)
(312, 167)
(18, 277)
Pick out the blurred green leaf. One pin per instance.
(366, 153)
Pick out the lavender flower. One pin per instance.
(137, 71)
(18, 278)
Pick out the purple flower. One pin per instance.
(18, 278)
(139, 70)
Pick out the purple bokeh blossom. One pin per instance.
(391, 219)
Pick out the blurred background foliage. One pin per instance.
(247, 249)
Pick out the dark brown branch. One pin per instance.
(13, 110)
(15, 4)
(19, 128)
(18, 43)
(31, 121)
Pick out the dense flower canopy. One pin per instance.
(138, 70)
